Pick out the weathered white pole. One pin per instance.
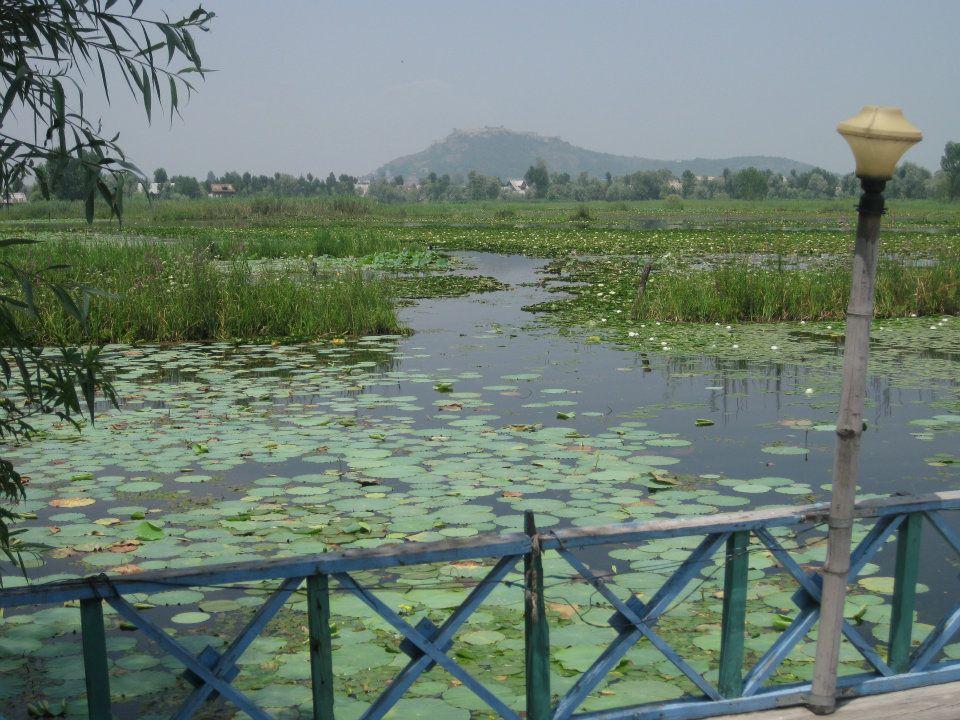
(822, 698)
(878, 137)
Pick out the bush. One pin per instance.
(350, 205)
(266, 206)
(581, 214)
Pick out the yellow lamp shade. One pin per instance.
(878, 137)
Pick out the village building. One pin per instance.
(517, 185)
(14, 198)
(153, 189)
(220, 190)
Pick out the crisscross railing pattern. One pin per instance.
(427, 645)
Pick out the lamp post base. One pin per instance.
(821, 704)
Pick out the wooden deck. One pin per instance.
(935, 702)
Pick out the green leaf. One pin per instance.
(60, 119)
(173, 97)
(88, 206)
(148, 531)
(67, 303)
(103, 77)
(145, 86)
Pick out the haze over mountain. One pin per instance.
(507, 153)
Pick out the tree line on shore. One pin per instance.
(70, 179)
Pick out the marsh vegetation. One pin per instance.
(306, 422)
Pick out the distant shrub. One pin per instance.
(350, 205)
(582, 214)
(673, 201)
(505, 214)
(266, 206)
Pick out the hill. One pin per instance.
(506, 153)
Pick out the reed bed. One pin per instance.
(749, 294)
(172, 292)
(265, 243)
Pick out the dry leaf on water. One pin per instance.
(72, 502)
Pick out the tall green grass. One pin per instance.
(171, 292)
(353, 209)
(749, 294)
(335, 242)
(138, 209)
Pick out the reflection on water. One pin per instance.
(752, 403)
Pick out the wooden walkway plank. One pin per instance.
(935, 702)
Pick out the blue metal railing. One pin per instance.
(900, 667)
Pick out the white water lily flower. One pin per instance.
(729, 327)
(808, 391)
(803, 322)
(666, 347)
(933, 327)
(735, 347)
(774, 347)
(631, 334)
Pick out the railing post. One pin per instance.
(321, 649)
(536, 633)
(730, 682)
(95, 672)
(904, 592)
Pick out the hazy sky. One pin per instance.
(306, 85)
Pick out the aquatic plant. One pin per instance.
(734, 290)
(160, 292)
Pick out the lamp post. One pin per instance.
(878, 137)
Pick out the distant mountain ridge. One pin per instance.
(507, 153)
